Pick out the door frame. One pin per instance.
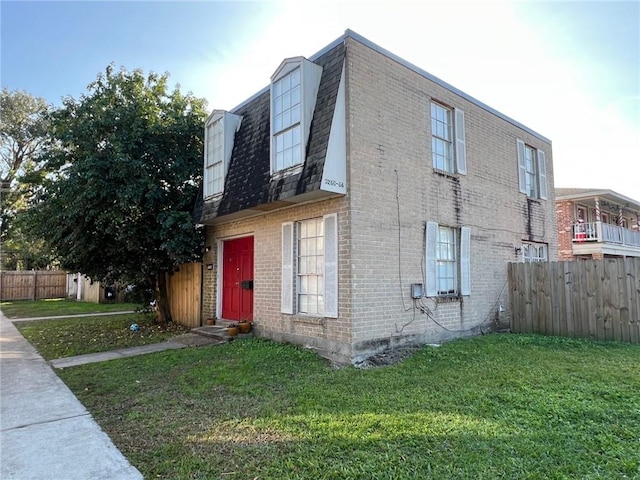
(220, 263)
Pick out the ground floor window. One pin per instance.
(310, 263)
(448, 260)
(534, 252)
(310, 267)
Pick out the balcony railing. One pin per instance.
(605, 233)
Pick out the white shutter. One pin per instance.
(465, 261)
(522, 169)
(286, 293)
(542, 174)
(461, 153)
(331, 265)
(431, 241)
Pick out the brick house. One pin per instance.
(359, 203)
(596, 223)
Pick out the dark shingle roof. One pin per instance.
(248, 183)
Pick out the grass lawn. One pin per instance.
(79, 335)
(495, 406)
(59, 306)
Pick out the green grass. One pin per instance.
(79, 335)
(491, 407)
(59, 306)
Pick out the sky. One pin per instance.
(569, 70)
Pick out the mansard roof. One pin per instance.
(249, 184)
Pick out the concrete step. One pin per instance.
(213, 331)
(219, 332)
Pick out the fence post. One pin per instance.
(35, 284)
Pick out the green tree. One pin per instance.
(23, 133)
(129, 159)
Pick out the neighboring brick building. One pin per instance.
(353, 182)
(596, 223)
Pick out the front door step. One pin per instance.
(219, 332)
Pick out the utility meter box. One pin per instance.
(416, 290)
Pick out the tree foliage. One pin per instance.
(23, 127)
(129, 156)
(23, 132)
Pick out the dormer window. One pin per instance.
(286, 120)
(219, 134)
(214, 157)
(294, 89)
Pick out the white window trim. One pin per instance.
(310, 75)
(463, 261)
(230, 126)
(541, 174)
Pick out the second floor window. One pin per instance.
(532, 171)
(219, 134)
(214, 169)
(441, 141)
(448, 148)
(286, 121)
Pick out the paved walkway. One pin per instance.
(54, 317)
(186, 340)
(45, 432)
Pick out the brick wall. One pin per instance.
(564, 217)
(329, 336)
(394, 191)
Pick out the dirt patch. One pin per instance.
(388, 357)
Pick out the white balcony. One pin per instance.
(598, 237)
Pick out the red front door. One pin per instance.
(237, 279)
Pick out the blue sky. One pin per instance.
(569, 70)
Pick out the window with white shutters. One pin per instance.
(447, 260)
(448, 146)
(310, 267)
(532, 171)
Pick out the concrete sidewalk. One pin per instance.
(45, 432)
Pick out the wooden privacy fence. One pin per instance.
(32, 284)
(184, 291)
(596, 299)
